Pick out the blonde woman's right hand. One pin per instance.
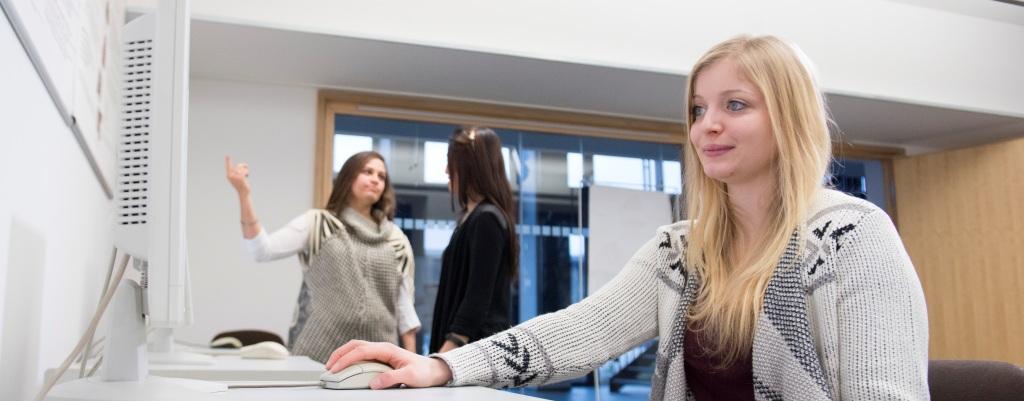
(410, 369)
(238, 176)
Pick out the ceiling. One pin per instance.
(248, 53)
(1011, 11)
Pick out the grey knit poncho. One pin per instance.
(351, 273)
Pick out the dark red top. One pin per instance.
(708, 383)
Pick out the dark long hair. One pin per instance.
(343, 186)
(476, 165)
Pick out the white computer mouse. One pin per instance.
(264, 350)
(357, 376)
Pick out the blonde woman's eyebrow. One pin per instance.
(741, 91)
(727, 92)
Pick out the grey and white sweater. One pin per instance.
(356, 279)
(843, 318)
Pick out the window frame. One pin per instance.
(457, 112)
(331, 102)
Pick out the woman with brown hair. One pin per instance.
(357, 266)
(480, 262)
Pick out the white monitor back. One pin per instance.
(621, 222)
(150, 191)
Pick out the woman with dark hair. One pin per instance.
(480, 262)
(357, 266)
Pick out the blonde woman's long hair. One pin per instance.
(730, 298)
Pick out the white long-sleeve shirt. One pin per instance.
(294, 238)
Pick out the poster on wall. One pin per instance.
(75, 48)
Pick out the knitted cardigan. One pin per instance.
(351, 273)
(843, 318)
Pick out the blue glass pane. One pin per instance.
(864, 179)
(545, 170)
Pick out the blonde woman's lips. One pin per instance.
(716, 150)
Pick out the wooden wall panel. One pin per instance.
(962, 220)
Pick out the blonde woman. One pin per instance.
(776, 288)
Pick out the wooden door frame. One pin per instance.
(883, 154)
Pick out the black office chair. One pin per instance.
(957, 380)
(241, 338)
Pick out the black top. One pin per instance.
(709, 382)
(474, 293)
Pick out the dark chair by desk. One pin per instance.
(241, 338)
(956, 380)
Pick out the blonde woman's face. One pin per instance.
(731, 132)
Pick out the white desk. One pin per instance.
(409, 394)
(234, 368)
(302, 369)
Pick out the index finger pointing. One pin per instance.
(362, 352)
(342, 350)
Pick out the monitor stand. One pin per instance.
(125, 371)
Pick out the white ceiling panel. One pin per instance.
(258, 54)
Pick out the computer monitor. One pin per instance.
(150, 191)
(149, 224)
(150, 220)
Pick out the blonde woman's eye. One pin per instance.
(697, 111)
(736, 105)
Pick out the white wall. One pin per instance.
(54, 218)
(874, 48)
(55, 224)
(273, 129)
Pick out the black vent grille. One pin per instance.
(132, 189)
